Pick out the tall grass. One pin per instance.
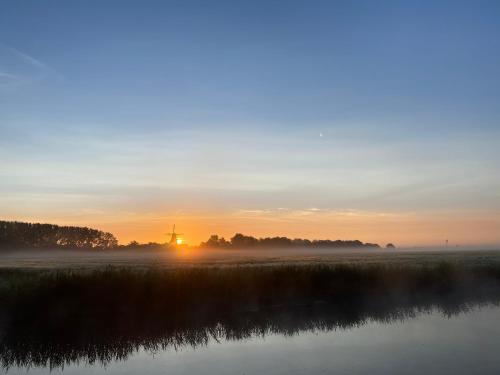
(52, 318)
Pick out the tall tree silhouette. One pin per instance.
(15, 234)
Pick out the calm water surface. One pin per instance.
(430, 343)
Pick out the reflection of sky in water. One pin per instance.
(430, 344)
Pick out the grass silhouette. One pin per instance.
(57, 317)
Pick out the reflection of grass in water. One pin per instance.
(60, 317)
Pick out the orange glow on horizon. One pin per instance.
(402, 229)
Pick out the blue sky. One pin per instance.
(117, 114)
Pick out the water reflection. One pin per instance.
(103, 340)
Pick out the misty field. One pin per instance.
(193, 257)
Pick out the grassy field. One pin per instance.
(207, 258)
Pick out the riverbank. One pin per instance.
(53, 317)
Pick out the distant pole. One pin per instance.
(446, 243)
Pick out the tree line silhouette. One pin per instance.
(242, 241)
(19, 235)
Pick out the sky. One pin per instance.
(376, 121)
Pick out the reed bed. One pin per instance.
(57, 317)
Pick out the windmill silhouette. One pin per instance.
(173, 237)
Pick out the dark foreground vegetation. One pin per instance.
(55, 318)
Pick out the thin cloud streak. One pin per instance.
(29, 59)
(24, 68)
(7, 75)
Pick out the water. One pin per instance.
(412, 343)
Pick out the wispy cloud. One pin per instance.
(7, 79)
(320, 213)
(7, 75)
(29, 59)
(18, 67)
